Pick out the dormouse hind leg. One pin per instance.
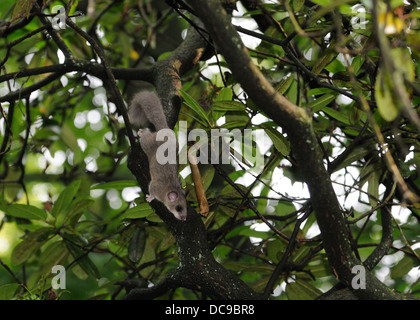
(148, 142)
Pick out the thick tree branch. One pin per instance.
(167, 283)
(198, 269)
(25, 92)
(387, 233)
(95, 69)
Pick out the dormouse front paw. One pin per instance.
(149, 197)
(140, 132)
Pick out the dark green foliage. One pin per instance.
(68, 198)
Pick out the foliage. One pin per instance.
(69, 199)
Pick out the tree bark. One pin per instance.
(198, 270)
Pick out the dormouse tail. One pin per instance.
(146, 111)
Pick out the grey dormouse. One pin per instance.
(146, 112)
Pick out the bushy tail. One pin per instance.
(146, 111)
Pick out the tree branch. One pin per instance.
(198, 269)
(95, 69)
(387, 234)
(167, 283)
(110, 81)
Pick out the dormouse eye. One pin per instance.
(178, 208)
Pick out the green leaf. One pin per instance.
(301, 253)
(75, 209)
(149, 254)
(284, 84)
(297, 5)
(237, 174)
(65, 198)
(140, 211)
(117, 185)
(284, 208)
(79, 272)
(207, 177)
(154, 218)
(164, 55)
(301, 290)
(323, 62)
(225, 94)
(253, 233)
(83, 260)
(275, 250)
(384, 99)
(230, 192)
(191, 116)
(402, 267)
(336, 66)
(7, 291)
(25, 249)
(235, 124)
(279, 141)
(404, 62)
(54, 254)
(45, 133)
(356, 113)
(5, 6)
(69, 138)
(321, 270)
(355, 155)
(292, 92)
(373, 188)
(228, 106)
(322, 101)
(136, 246)
(22, 7)
(323, 2)
(388, 105)
(319, 91)
(357, 63)
(25, 211)
(167, 242)
(75, 239)
(195, 106)
(340, 116)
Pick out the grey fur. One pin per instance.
(146, 109)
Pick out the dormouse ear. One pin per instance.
(172, 196)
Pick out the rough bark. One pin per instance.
(197, 269)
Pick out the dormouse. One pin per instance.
(146, 112)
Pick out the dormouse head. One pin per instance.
(177, 204)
